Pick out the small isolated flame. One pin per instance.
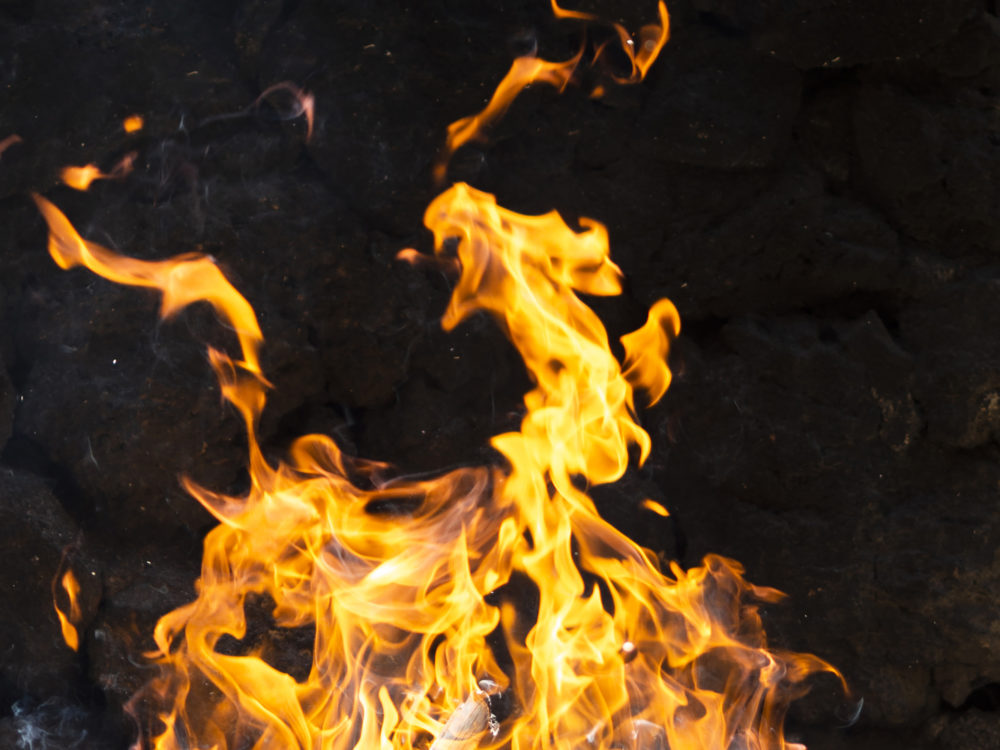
(71, 587)
(133, 123)
(80, 178)
(489, 606)
(656, 507)
(428, 599)
(9, 141)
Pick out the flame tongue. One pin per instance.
(408, 609)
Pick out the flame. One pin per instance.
(80, 178)
(133, 123)
(656, 507)
(9, 141)
(305, 103)
(66, 621)
(425, 599)
(529, 69)
(182, 280)
(652, 39)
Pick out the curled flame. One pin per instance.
(305, 103)
(9, 141)
(417, 593)
(529, 69)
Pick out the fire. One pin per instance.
(489, 606)
(71, 586)
(414, 609)
(133, 123)
(9, 141)
(529, 69)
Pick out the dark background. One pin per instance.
(813, 182)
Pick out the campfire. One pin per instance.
(487, 606)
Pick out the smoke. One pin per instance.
(51, 725)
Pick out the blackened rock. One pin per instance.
(140, 586)
(958, 374)
(253, 22)
(973, 728)
(826, 33)
(971, 51)
(935, 563)
(715, 103)
(785, 405)
(824, 131)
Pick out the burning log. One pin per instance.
(467, 725)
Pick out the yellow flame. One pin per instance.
(9, 141)
(80, 178)
(416, 592)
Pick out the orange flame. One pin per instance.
(420, 593)
(9, 141)
(656, 507)
(80, 178)
(133, 123)
(528, 69)
(66, 621)
(305, 103)
(182, 280)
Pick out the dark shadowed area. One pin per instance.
(812, 182)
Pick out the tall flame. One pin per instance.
(428, 599)
(81, 178)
